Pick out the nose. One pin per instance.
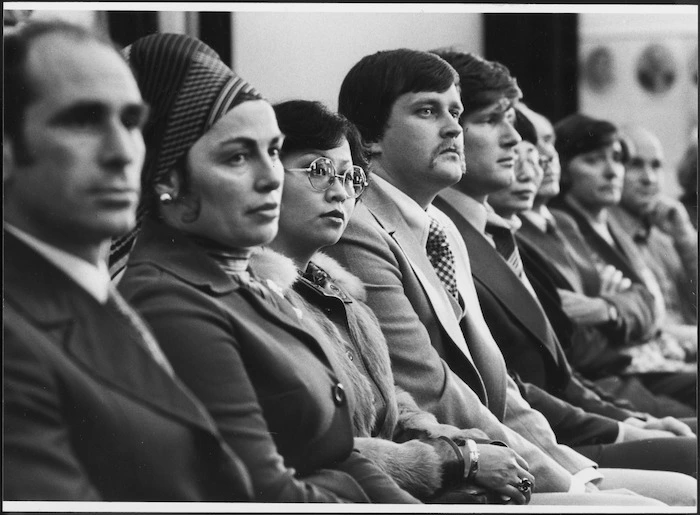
(509, 136)
(452, 128)
(269, 174)
(613, 168)
(121, 145)
(648, 175)
(338, 192)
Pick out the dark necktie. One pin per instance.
(441, 257)
(505, 245)
(146, 338)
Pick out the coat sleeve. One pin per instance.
(572, 425)
(367, 251)
(216, 373)
(39, 460)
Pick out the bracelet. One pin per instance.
(473, 459)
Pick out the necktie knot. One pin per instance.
(504, 242)
(441, 257)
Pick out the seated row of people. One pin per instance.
(275, 373)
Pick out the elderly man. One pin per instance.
(660, 227)
(407, 106)
(92, 410)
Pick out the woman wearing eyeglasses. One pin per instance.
(321, 155)
(212, 185)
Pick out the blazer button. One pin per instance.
(349, 355)
(338, 393)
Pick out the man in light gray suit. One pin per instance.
(407, 106)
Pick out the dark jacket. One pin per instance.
(269, 384)
(88, 414)
(636, 305)
(530, 346)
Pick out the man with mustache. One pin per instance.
(407, 106)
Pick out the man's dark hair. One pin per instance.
(525, 127)
(309, 125)
(18, 88)
(371, 87)
(482, 82)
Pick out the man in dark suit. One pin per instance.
(507, 295)
(407, 106)
(607, 308)
(92, 410)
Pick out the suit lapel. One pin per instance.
(545, 246)
(491, 271)
(609, 253)
(96, 338)
(388, 216)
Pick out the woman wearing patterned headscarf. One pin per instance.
(211, 193)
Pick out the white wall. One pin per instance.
(306, 55)
(671, 115)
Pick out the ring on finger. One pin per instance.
(525, 485)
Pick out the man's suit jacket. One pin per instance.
(529, 343)
(269, 384)
(573, 259)
(88, 413)
(674, 263)
(429, 354)
(637, 308)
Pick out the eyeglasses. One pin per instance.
(322, 174)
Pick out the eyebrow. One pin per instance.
(248, 141)
(83, 107)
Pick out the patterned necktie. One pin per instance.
(441, 257)
(505, 245)
(146, 338)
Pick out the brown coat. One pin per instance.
(382, 412)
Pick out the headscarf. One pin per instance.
(188, 89)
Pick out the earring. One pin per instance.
(165, 198)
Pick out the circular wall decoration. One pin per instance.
(656, 69)
(598, 69)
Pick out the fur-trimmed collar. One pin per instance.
(270, 264)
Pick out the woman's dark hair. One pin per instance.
(309, 125)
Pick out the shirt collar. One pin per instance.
(93, 279)
(539, 218)
(474, 211)
(414, 215)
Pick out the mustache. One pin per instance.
(450, 145)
